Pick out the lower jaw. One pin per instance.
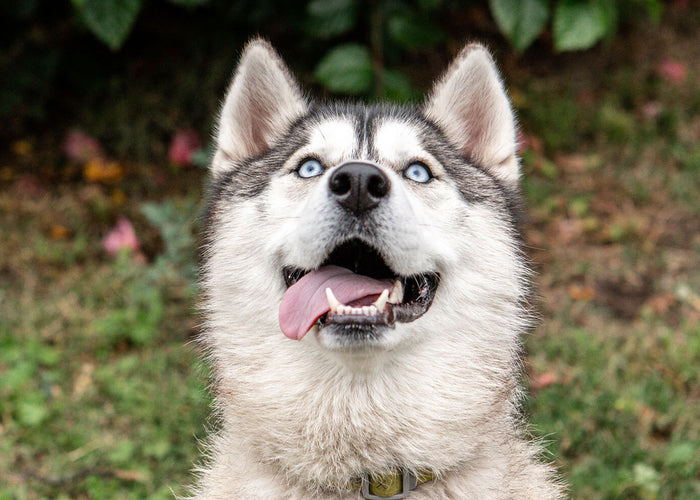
(353, 337)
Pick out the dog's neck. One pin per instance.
(395, 484)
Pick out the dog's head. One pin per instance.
(357, 228)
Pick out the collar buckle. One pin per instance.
(409, 482)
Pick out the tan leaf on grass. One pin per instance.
(99, 170)
(661, 302)
(130, 475)
(568, 230)
(83, 380)
(572, 163)
(59, 232)
(581, 292)
(22, 147)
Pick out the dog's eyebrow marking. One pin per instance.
(333, 140)
(397, 142)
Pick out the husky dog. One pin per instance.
(365, 294)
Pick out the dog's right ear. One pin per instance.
(470, 105)
(262, 101)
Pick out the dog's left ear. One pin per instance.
(261, 103)
(470, 106)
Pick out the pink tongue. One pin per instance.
(305, 301)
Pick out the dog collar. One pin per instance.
(392, 486)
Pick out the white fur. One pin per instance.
(300, 418)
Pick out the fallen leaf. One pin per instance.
(80, 147)
(542, 380)
(652, 110)
(59, 232)
(100, 170)
(22, 147)
(674, 71)
(130, 475)
(121, 237)
(661, 303)
(84, 379)
(573, 163)
(581, 292)
(568, 230)
(118, 197)
(183, 144)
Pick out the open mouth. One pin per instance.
(354, 288)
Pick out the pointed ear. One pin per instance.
(262, 101)
(470, 106)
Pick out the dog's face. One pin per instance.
(358, 229)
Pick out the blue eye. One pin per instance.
(310, 168)
(417, 172)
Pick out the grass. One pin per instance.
(614, 226)
(103, 396)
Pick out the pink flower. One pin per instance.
(80, 147)
(121, 237)
(184, 143)
(672, 70)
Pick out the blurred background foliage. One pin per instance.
(350, 47)
(106, 113)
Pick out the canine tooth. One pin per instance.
(380, 303)
(332, 301)
(396, 295)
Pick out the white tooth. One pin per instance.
(357, 310)
(332, 301)
(344, 309)
(396, 295)
(372, 310)
(381, 301)
(365, 310)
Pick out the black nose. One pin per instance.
(358, 186)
